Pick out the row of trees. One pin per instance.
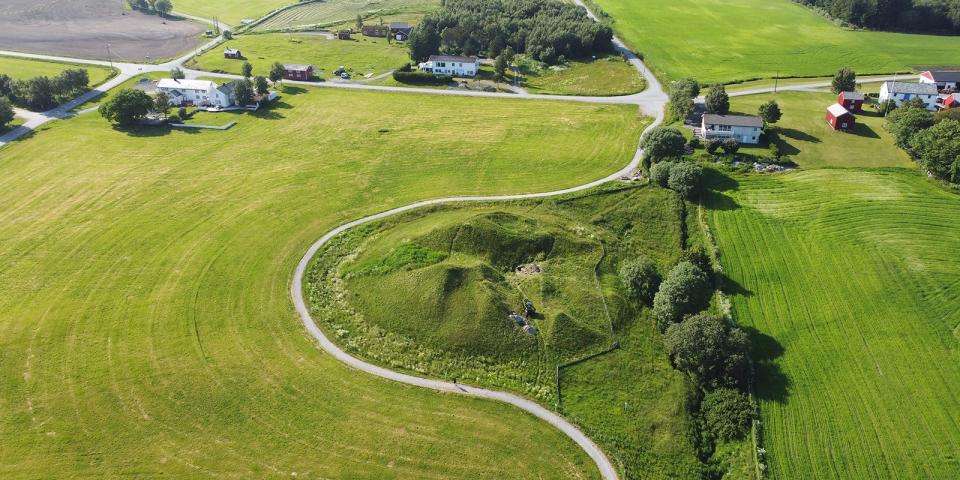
(546, 30)
(43, 93)
(163, 7)
(933, 140)
(914, 15)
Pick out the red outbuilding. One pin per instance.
(298, 72)
(852, 101)
(840, 118)
(950, 101)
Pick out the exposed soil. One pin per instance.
(83, 28)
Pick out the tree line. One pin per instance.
(163, 7)
(912, 15)
(42, 92)
(932, 139)
(547, 30)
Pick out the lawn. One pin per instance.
(147, 325)
(332, 13)
(22, 69)
(804, 135)
(230, 11)
(851, 279)
(604, 76)
(728, 40)
(430, 292)
(361, 56)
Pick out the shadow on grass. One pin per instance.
(795, 134)
(293, 90)
(732, 287)
(863, 130)
(771, 384)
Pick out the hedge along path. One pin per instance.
(654, 95)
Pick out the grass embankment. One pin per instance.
(23, 69)
(361, 56)
(230, 11)
(343, 13)
(607, 76)
(430, 292)
(850, 278)
(147, 326)
(723, 41)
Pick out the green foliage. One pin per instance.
(717, 101)
(660, 173)
(945, 114)
(714, 144)
(640, 278)
(770, 112)
(71, 82)
(726, 414)
(709, 349)
(730, 146)
(684, 291)
(243, 91)
(907, 121)
(261, 86)
(276, 72)
(246, 70)
(421, 78)
(662, 143)
(937, 150)
(163, 7)
(682, 93)
(845, 80)
(37, 93)
(227, 34)
(6, 112)
(127, 107)
(407, 256)
(424, 41)
(686, 178)
(177, 73)
(500, 67)
(161, 103)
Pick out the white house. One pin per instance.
(451, 65)
(943, 80)
(900, 92)
(742, 128)
(196, 92)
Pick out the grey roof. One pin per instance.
(912, 88)
(452, 58)
(399, 25)
(296, 67)
(228, 88)
(853, 95)
(733, 120)
(941, 76)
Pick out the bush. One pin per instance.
(685, 178)
(663, 142)
(686, 290)
(422, 78)
(695, 143)
(697, 257)
(182, 112)
(660, 174)
(640, 279)
(174, 118)
(726, 414)
(730, 146)
(709, 349)
(937, 150)
(713, 145)
(907, 121)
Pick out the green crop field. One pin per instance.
(605, 76)
(852, 281)
(727, 40)
(804, 135)
(147, 328)
(335, 12)
(22, 69)
(230, 11)
(361, 56)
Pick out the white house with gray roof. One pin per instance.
(202, 93)
(745, 129)
(900, 92)
(451, 65)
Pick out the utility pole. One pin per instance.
(776, 81)
(109, 56)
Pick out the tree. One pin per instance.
(681, 107)
(163, 7)
(359, 21)
(713, 145)
(423, 42)
(709, 349)
(726, 414)
(276, 72)
(717, 100)
(6, 112)
(770, 112)
(640, 278)
(500, 67)
(127, 107)
(663, 142)
(845, 80)
(685, 291)
(261, 85)
(937, 150)
(685, 178)
(177, 74)
(905, 122)
(243, 92)
(71, 81)
(730, 146)
(161, 104)
(682, 94)
(38, 93)
(688, 87)
(887, 106)
(246, 70)
(660, 174)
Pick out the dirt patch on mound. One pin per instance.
(83, 28)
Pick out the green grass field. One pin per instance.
(852, 282)
(22, 69)
(727, 40)
(230, 11)
(361, 56)
(146, 325)
(605, 76)
(344, 12)
(804, 135)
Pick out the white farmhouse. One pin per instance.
(451, 65)
(201, 93)
(900, 92)
(742, 128)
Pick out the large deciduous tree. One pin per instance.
(717, 101)
(937, 150)
(845, 80)
(685, 291)
(127, 107)
(663, 142)
(711, 350)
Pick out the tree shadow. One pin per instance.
(785, 148)
(293, 90)
(864, 130)
(770, 383)
(732, 287)
(795, 134)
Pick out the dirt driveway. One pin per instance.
(83, 28)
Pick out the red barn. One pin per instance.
(852, 101)
(298, 72)
(950, 101)
(840, 118)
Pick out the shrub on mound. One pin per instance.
(640, 278)
(685, 291)
(726, 413)
(709, 349)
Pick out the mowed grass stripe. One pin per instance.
(146, 324)
(832, 270)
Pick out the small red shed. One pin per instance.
(950, 101)
(852, 101)
(298, 72)
(840, 118)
